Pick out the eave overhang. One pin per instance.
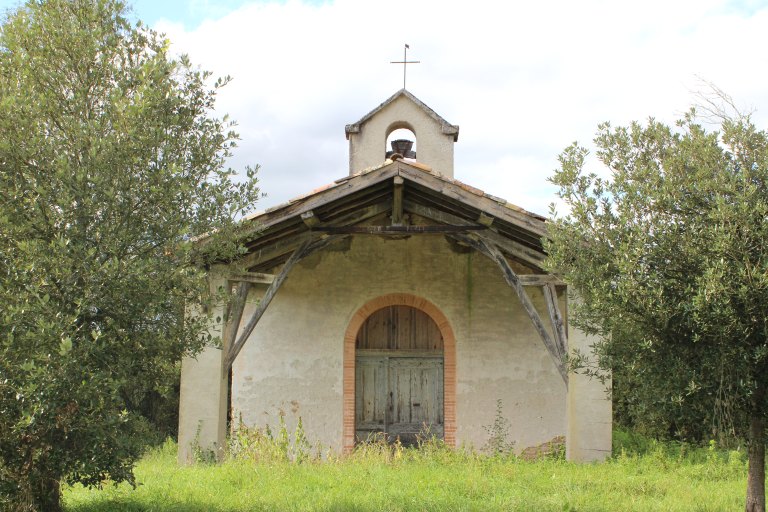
(367, 198)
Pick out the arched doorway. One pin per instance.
(399, 385)
(396, 333)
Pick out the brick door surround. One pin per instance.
(449, 362)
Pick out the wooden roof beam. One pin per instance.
(280, 248)
(343, 189)
(397, 230)
(274, 250)
(361, 214)
(481, 203)
(540, 280)
(516, 249)
(251, 277)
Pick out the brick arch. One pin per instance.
(449, 362)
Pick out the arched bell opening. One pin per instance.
(400, 140)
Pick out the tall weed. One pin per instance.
(263, 446)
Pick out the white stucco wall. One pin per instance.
(203, 395)
(368, 147)
(590, 425)
(293, 360)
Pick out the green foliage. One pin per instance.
(498, 434)
(451, 480)
(670, 259)
(110, 163)
(202, 455)
(261, 446)
(667, 245)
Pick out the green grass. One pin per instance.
(650, 476)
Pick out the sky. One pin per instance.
(523, 80)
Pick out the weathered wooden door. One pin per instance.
(415, 397)
(399, 376)
(399, 395)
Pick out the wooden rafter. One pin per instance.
(308, 247)
(274, 250)
(517, 250)
(278, 249)
(361, 214)
(490, 250)
(346, 188)
(454, 191)
(397, 230)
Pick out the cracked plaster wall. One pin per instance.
(293, 360)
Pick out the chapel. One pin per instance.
(395, 301)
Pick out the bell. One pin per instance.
(402, 146)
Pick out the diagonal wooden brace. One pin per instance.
(307, 248)
(490, 250)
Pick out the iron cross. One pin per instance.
(405, 62)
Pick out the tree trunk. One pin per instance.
(47, 495)
(756, 476)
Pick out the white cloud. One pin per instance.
(522, 79)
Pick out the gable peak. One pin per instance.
(435, 136)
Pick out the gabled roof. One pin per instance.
(447, 128)
(367, 198)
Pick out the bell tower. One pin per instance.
(434, 135)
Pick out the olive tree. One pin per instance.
(111, 161)
(666, 241)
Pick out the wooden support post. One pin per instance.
(490, 250)
(558, 325)
(304, 250)
(234, 315)
(397, 201)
